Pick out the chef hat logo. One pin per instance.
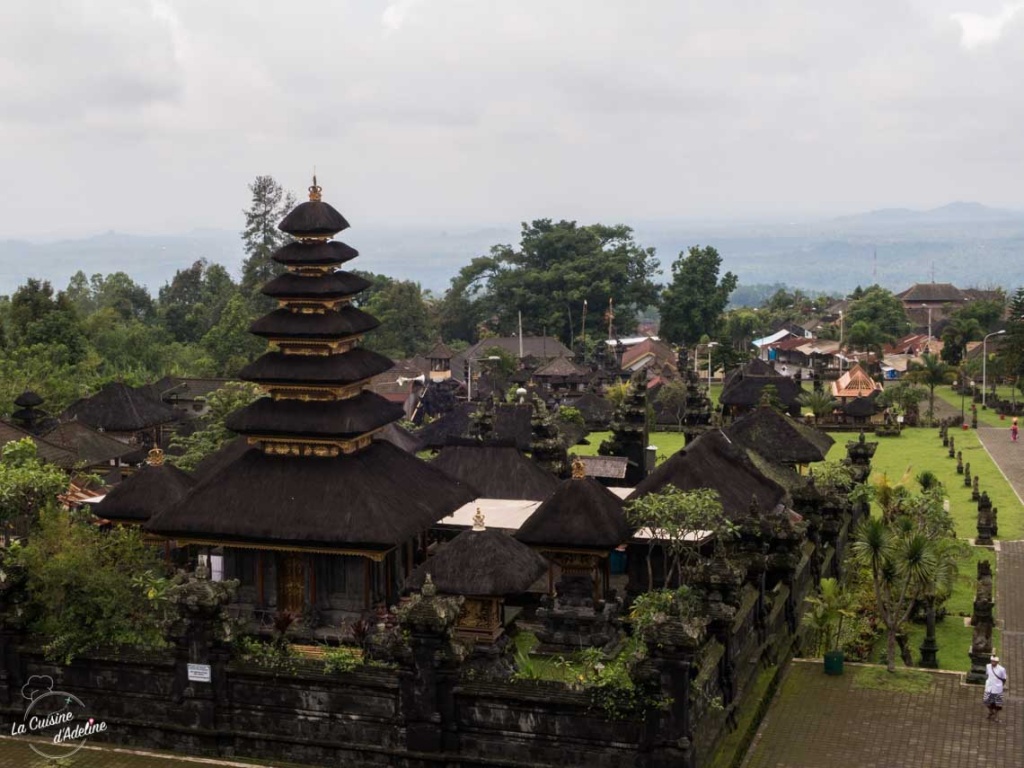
(36, 686)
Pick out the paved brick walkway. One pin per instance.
(817, 721)
(16, 754)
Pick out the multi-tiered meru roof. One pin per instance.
(314, 478)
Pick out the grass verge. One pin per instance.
(900, 681)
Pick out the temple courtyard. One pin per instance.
(922, 719)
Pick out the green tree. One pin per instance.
(27, 484)
(117, 291)
(955, 336)
(270, 203)
(555, 269)
(865, 337)
(674, 518)
(881, 309)
(406, 323)
(213, 433)
(932, 373)
(85, 588)
(819, 402)
(229, 344)
(192, 303)
(693, 302)
(671, 400)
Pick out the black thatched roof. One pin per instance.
(338, 418)
(375, 498)
(496, 472)
(145, 493)
(314, 254)
(512, 422)
(399, 437)
(487, 563)
(714, 461)
(743, 387)
(28, 399)
(355, 365)
(45, 450)
(440, 351)
(332, 285)
(313, 218)
(226, 454)
(779, 437)
(859, 407)
(347, 321)
(581, 513)
(90, 446)
(594, 407)
(119, 408)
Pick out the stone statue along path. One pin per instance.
(817, 721)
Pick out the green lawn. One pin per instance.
(986, 417)
(906, 456)
(667, 443)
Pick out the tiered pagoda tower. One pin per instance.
(316, 516)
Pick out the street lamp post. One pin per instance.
(984, 361)
(469, 373)
(710, 345)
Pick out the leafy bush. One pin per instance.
(276, 656)
(85, 588)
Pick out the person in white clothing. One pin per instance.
(995, 679)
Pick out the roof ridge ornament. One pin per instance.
(478, 520)
(155, 457)
(315, 191)
(579, 469)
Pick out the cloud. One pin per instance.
(978, 30)
(395, 14)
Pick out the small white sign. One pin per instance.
(199, 673)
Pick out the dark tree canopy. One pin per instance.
(693, 302)
(261, 237)
(881, 310)
(555, 269)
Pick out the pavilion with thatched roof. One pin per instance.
(314, 515)
(781, 438)
(134, 500)
(125, 413)
(495, 470)
(484, 565)
(743, 389)
(577, 528)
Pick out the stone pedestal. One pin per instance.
(981, 623)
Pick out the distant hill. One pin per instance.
(965, 243)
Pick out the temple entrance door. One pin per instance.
(291, 583)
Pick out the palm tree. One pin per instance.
(820, 402)
(956, 335)
(902, 562)
(931, 372)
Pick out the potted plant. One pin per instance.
(827, 616)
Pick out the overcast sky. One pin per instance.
(153, 115)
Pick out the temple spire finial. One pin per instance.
(315, 190)
(579, 469)
(155, 457)
(478, 520)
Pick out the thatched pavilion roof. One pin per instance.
(714, 461)
(119, 408)
(486, 563)
(512, 422)
(45, 450)
(496, 471)
(335, 284)
(143, 494)
(580, 514)
(90, 445)
(28, 399)
(375, 498)
(781, 438)
(743, 387)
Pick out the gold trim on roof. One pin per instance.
(292, 343)
(308, 306)
(307, 392)
(370, 554)
(313, 447)
(315, 191)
